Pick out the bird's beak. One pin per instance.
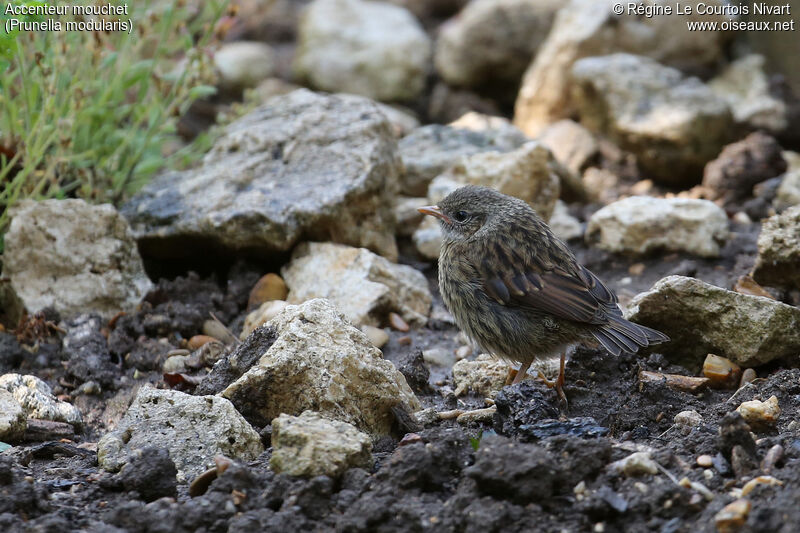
(434, 211)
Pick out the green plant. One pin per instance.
(93, 114)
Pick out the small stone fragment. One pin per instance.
(721, 371)
(312, 445)
(758, 413)
(37, 400)
(261, 316)
(778, 261)
(772, 457)
(269, 287)
(705, 460)
(747, 376)
(199, 340)
(485, 375)
(747, 285)
(732, 516)
(214, 328)
(439, 357)
(13, 421)
(760, 480)
(689, 419)
(376, 336)
(675, 381)
(636, 464)
(397, 322)
(477, 415)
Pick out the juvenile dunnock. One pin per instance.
(517, 290)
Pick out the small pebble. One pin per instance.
(269, 287)
(732, 516)
(747, 376)
(688, 419)
(463, 352)
(760, 480)
(213, 328)
(705, 460)
(772, 457)
(439, 357)
(742, 218)
(477, 415)
(397, 322)
(721, 371)
(636, 464)
(756, 412)
(636, 269)
(641, 487)
(376, 336)
(199, 340)
(405, 340)
(409, 438)
(426, 417)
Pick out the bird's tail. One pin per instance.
(621, 336)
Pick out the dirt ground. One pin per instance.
(532, 467)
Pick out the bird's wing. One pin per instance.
(521, 271)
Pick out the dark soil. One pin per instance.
(531, 468)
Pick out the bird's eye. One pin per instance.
(461, 216)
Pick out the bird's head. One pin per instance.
(467, 210)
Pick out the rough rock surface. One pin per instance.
(303, 165)
(571, 144)
(673, 124)
(363, 286)
(528, 173)
(485, 375)
(778, 261)
(430, 150)
(243, 64)
(590, 28)
(312, 445)
(642, 224)
(743, 164)
(340, 373)
(12, 418)
(565, 226)
(37, 400)
(74, 257)
(428, 238)
(369, 48)
(491, 42)
(702, 319)
(193, 428)
(744, 84)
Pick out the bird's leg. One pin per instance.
(521, 373)
(558, 383)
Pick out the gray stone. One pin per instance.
(74, 257)
(37, 400)
(673, 124)
(13, 421)
(527, 173)
(485, 375)
(744, 84)
(312, 445)
(373, 49)
(741, 165)
(491, 42)
(591, 28)
(430, 150)
(571, 144)
(243, 64)
(319, 361)
(788, 193)
(702, 319)
(406, 214)
(428, 238)
(778, 261)
(565, 226)
(193, 428)
(302, 165)
(642, 224)
(362, 285)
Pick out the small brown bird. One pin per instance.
(517, 290)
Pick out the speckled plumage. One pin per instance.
(516, 289)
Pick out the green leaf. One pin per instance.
(202, 91)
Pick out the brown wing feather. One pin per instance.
(518, 272)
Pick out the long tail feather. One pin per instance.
(620, 335)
